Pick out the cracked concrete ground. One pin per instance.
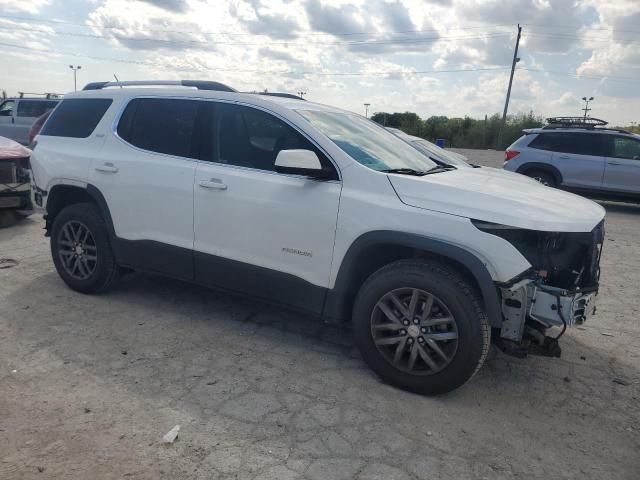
(90, 384)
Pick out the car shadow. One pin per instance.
(155, 319)
(620, 207)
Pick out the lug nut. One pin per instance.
(403, 332)
(405, 322)
(420, 339)
(410, 341)
(423, 329)
(416, 321)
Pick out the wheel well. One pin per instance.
(550, 169)
(62, 196)
(373, 257)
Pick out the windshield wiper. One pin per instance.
(405, 171)
(439, 168)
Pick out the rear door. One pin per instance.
(622, 167)
(579, 157)
(145, 173)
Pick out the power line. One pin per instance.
(582, 76)
(415, 40)
(335, 34)
(279, 72)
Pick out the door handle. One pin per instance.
(213, 184)
(614, 163)
(107, 168)
(564, 157)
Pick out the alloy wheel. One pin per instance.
(77, 250)
(414, 331)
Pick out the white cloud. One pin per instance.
(29, 6)
(298, 44)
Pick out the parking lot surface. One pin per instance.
(90, 384)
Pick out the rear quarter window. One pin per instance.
(76, 117)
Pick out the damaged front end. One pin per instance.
(558, 290)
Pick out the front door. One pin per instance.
(146, 173)
(7, 119)
(258, 231)
(622, 166)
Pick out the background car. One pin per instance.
(15, 201)
(17, 115)
(581, 156)
(432, 150)
(37, 126)
(447, 157)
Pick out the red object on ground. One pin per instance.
(10, 150)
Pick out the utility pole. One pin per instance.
(516, 59)
(366, 110)
(75, 72)
(301, 94)
(586, 108)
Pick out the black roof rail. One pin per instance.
(574, 122)
(199, 84)
(279, 94)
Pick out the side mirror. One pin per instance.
(299, 162)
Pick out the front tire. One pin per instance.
(545, 178)
(420, 327)
(81, 250)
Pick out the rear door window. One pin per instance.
(76, 117)
(162, 125)
(623, 147)
(569, 142)
(34, 108)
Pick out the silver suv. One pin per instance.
(580, 156)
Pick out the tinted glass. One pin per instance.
(162, 125)
(253, 138)
(6, 109)
(624, 147)
(76, 117)
(367, 142)
(34, 108)
(569, 142)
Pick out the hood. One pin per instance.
(10, 150)
(505, 199)
(516, 177)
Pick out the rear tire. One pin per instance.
(543, 177)
(433, 311)
(81, 250)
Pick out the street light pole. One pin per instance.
(586, 108)
(366, 110)
(75, 72)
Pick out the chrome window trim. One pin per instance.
(125, 104)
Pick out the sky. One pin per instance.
(432, 57)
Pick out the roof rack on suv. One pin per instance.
(199, 84)
(47, 95)
(574, 122)
(278, 94)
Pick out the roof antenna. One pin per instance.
(114, 76)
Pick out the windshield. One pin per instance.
(367, 142)
(431, 149)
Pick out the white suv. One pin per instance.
(321, 210)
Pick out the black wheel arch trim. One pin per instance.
(552, 169)
(340, 299)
